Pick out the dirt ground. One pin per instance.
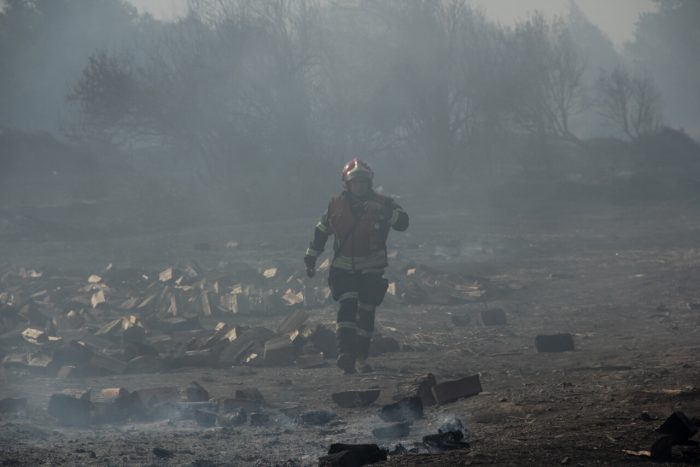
(620, 279)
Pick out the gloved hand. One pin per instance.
(310, 262)
(384, 212)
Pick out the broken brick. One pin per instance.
(449, 391)
(279, 351)
(292, 322)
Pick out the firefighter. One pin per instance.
(360, 220)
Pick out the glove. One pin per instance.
(310, 262)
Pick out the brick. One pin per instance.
(279, 352)
(35, 336)
(292, 322)
(493, 317)
(449, 391)
(554, 342)
(353, 399)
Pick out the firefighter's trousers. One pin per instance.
(359, 293)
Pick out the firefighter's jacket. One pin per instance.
(360, 235)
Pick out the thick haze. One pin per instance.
(616, 18)
(209, 101)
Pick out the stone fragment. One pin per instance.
(98, 298)
(292, 322)
(279, 352)
(35, 336)
(354, 399)
(449, 391)
(554, 342)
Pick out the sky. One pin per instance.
(616, 18)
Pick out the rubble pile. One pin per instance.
(133, 321)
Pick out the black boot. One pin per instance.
(346, 350)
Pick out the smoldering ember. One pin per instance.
(359, 232)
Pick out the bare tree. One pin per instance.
(549, 67)
(630, 101)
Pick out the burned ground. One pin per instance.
(621, 280)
